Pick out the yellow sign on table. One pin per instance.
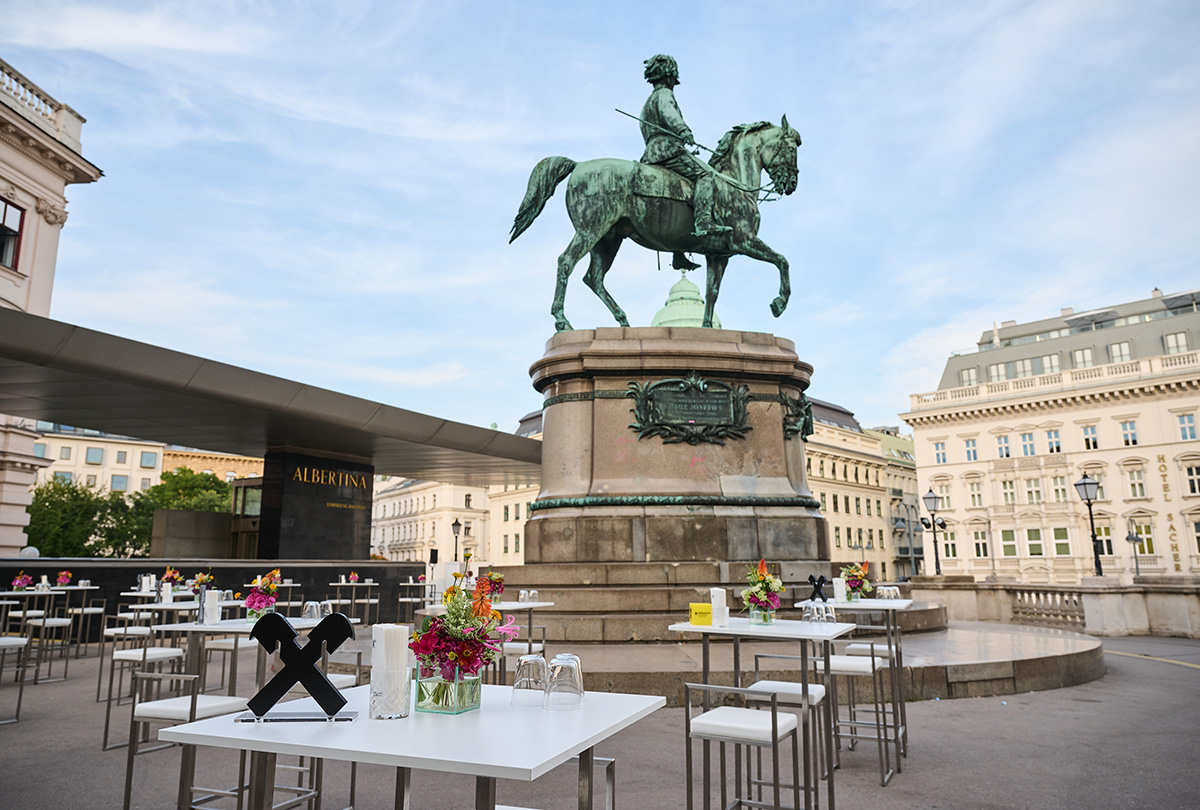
(701, 613)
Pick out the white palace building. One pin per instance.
(1113, 393)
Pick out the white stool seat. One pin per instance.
(791, 690)
(49, 623)
(27, 614)
(741, 725)
(12, 642)
(865, 649)
(230, 644)
(177, 708)
(126, 632)
(340, 680)
(139, 616)
(149, 654)
(86, 611)
(851, 664)
(521, 647)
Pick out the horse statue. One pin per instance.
(610, 199)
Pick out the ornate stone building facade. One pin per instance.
(411, 518)
(99, 460)
(1113, 393)
(39, 157)
(225, 466)
(847, 473)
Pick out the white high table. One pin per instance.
(781, 630)
(432, 742)
(891, 628)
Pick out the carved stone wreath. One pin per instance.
(689, 409)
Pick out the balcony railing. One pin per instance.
(35, 104)
(1050, 606)
(1057, 381)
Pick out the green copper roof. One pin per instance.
(684, 307)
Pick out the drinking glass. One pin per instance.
(311, 610)
(530, 681)
(325, 609)
(523, 596)
(533, 595)
(809, 614)
(565, 690)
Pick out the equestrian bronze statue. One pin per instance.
(669, 200)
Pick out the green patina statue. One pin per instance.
(670, 200)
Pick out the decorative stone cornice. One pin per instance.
(1064, 400)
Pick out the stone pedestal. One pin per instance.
(672, 444)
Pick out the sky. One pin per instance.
(323, 191)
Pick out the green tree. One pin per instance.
(68, 519)
(65, 517)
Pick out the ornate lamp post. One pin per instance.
(455, 528)
(930, 499)
(1134, 540)
(1088, 487)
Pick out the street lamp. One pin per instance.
(456, 527)
(1088, 487)
(1134, 540)
(934, 522)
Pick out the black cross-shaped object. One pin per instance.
(818, 584)
(300, 663)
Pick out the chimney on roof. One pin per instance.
(1067, 311)
(1006, 324)
(1157, 293)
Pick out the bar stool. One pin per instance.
(852, 728)
(147, 658)
(119, 635)
(791, 694)
(49, 631)
(186, 708)
(18, 646)
(741, 727)
(84, 616)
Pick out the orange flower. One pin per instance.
(864, 568)
(481, 605)
(762, 569)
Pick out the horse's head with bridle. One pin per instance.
(776, 151)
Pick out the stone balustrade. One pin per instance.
(38, 106)
(1100, 606)
(1057, 381)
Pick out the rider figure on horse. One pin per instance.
(667, 137)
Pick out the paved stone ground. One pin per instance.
(1127, 740)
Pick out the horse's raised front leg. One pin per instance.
(580, 244)
(716, 272)
(756, 248)
(602, 258)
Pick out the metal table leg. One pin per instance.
(403, 789)
(705, 746)
(262, 780)
(585, 779)
(829, 709)
(485, 793)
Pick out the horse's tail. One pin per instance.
(545, 178)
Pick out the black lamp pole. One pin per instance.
(456, 527)
(1088, 488)
(930, 499)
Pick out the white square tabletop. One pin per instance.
(862, 605)
(782, 629)
(541, 739)
(231, 626)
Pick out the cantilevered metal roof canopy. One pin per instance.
(57, 372)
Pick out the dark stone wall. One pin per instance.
(315, 508)
(181, 533)
(313, 576)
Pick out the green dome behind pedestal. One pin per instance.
(685, 307)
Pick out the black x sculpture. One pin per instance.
(818, 584)
(300, 663)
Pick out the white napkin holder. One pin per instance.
(839, 589)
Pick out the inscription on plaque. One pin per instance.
(689, 409)
(711, 407)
